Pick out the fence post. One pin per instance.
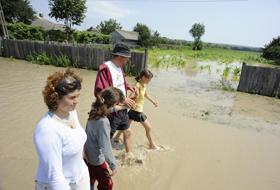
(1, 49)
(145, 57)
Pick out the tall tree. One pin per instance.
(18, 11)
(155, 38)
(108, 26)
(144, 34)
(272, 50)
(197, 31)
(71, 12)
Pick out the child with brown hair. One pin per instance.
(136, 113)
(98, 149)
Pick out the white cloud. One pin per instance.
(106, 9)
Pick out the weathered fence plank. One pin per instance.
(1, 48)
(260, 80)
(82, 56)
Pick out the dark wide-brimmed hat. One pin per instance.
(121, 50)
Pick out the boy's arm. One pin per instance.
(151, 99)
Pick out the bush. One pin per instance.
(197, 45)
(56, 35)
(43, 59)
(90, 37)
(272, 50)
(22, 31)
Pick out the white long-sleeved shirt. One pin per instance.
(60, 151)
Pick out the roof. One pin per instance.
(46, 24)
(129, 35)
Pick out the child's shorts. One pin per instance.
(118, 121)
(137, 116)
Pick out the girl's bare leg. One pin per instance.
(117, 138)
(127, 138)
(148, 130)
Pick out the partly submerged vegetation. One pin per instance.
(183, 56)
(224, 63)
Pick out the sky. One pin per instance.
(239, 22)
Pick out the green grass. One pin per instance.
(180, 57)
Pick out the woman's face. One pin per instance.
(68, 102)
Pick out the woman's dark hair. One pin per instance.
(146, 73)
(108, 98)
(58, 85)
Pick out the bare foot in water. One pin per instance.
(154, 147)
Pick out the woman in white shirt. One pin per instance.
(59, 138)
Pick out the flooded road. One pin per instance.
(216, 139)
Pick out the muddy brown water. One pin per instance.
(214, 139)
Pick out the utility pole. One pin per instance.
(3, 23)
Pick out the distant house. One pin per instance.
(128, 37)
(46, 24)
(93, 30)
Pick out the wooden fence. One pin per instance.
(83, 56)
(260, 80)
(0, 46)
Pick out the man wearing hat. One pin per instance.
(111, 74)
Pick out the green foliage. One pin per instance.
(56, 35)
(39, 59)
(144, 34)
(22, 31)
(71, 12)
(108, 26)
(197, 45)
(197, 31)
(89, 37)
(155, 38)
(226, 72)
(18, 11)
(43, 59)
(272, 50)
(236, 73)
(226, 85)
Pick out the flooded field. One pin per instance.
(215, 139)
(204, 92)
